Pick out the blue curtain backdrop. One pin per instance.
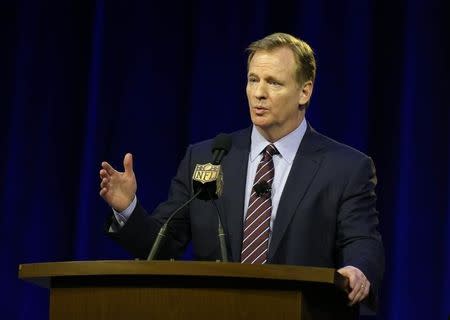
(83, 81)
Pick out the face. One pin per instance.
(273, 93)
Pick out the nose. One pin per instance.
(260, 91)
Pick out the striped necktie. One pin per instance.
(257, 222)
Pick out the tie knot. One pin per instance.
(269, 151)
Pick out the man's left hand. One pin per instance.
(359, 285)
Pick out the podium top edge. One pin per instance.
(42, 273)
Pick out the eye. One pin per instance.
(252, 80)
(274, 83)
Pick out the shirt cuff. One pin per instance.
(122, 217)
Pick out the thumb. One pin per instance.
(344, 271)
(128, 163)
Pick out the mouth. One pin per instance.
(259, 110)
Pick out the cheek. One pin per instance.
(283, 107)
(248, 91)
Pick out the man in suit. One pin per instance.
(320, 208)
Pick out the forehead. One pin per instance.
(279, 61)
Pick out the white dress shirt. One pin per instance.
(282, 162)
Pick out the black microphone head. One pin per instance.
(222, 142)
(221, 146)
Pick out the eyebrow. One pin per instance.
(251, 74)
(273, 78)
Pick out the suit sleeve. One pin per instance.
(358, 240)
(141, 229)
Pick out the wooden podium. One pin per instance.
(189, 290)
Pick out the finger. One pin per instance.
(103, 192)
(357, 286)
(103, 174)
(352, 295)
(358, 292)
(104, 183)
(109, 169)
(128, 163)
(355, 283)
(366, 291)
(350, 275)
(362, 292)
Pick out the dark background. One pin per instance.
(83, 81)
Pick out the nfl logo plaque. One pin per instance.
(209, 178)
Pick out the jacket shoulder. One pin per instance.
(339, 150)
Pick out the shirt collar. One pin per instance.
(287, 146)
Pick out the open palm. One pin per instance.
(118, 188)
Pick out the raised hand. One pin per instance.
(118, 188)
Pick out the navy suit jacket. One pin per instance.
(326, 216)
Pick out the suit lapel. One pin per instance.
(305, 167)
(235, 173)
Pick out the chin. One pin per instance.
(259, 122)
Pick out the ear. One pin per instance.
(306, 92)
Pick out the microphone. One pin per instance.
(212, 187)
(208, 177)
(220, 148)
(221, 236)
(263, 189)
(162, 232)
